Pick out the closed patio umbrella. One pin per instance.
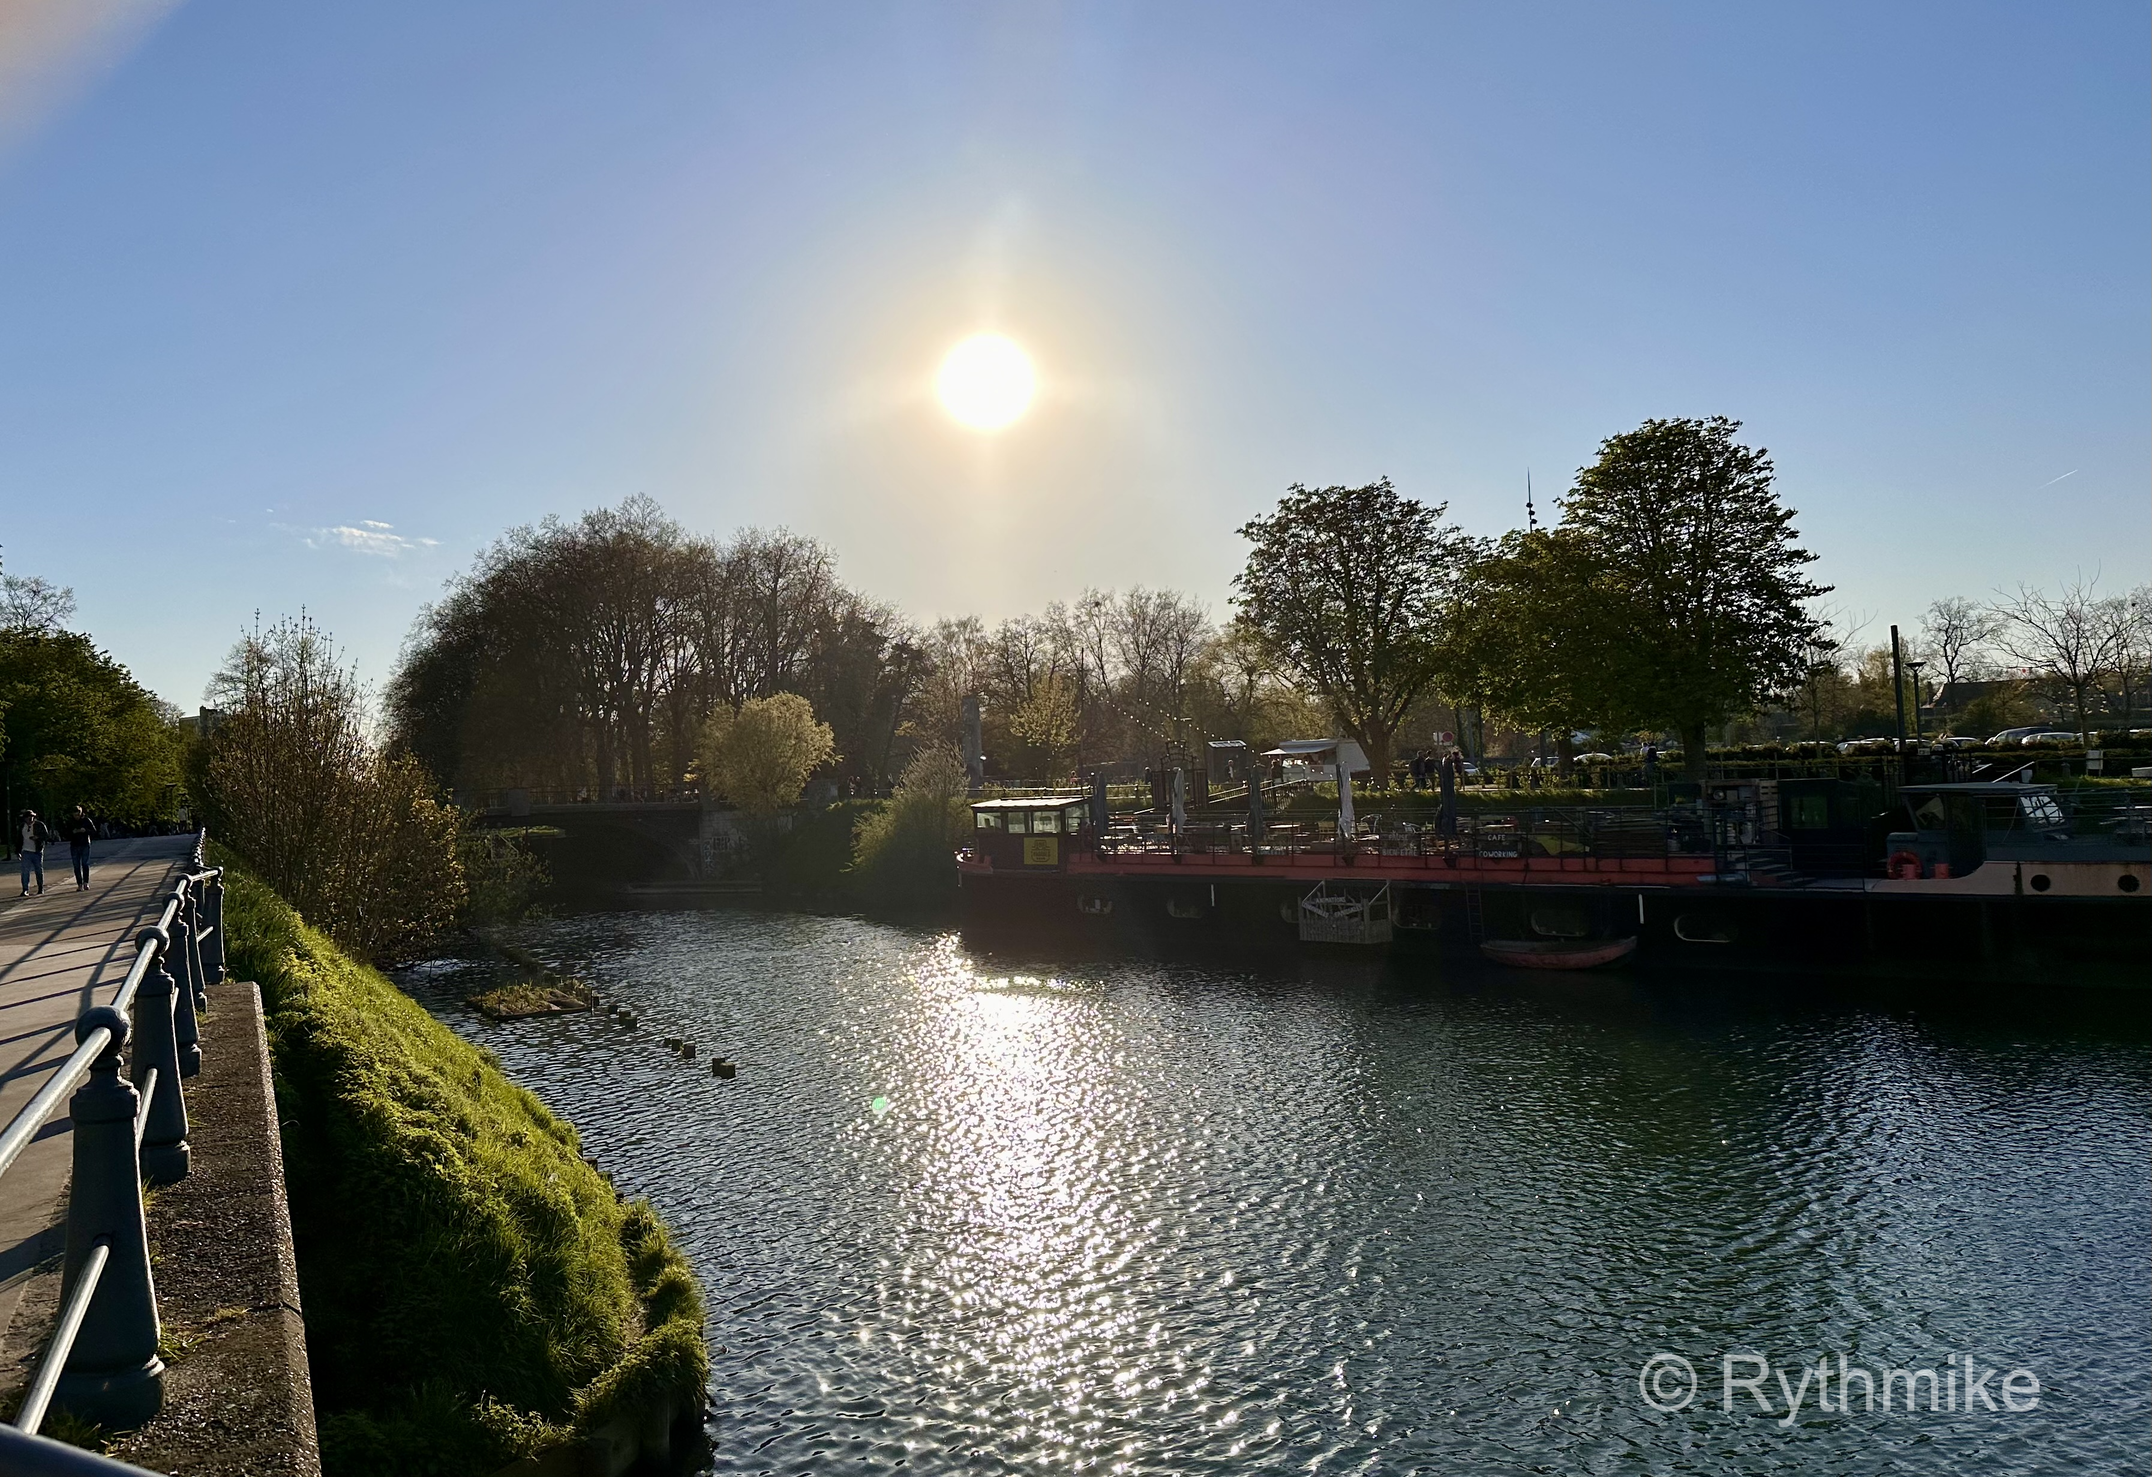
(1180, 801)
(1345, 819)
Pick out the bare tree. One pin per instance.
(351, 836)
(2066, 639)
(1955, 633)
(2129, 618)
(30, 603)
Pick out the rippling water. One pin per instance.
(967, 1213)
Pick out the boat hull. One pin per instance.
(1587, 954)
(1895, 935)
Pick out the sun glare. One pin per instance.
(986, 382)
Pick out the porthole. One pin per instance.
(2127, 882)
(2041, 882)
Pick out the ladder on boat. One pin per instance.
(1475, 913)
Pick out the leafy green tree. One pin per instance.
(1695, 586)
(1345, 589)
(76, 729)
(1521, 642)
(759, 758)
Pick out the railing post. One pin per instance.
(186, 1032)
(164, 1138)
(196, 975)
(214, 905)
(114, 1377)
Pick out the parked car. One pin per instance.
(2052, 738)
(1869, 746)
(2011, 737)
(1957, 741)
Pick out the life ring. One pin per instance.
(1903, 865)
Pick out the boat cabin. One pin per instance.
(1036, 832)
(1956, 827)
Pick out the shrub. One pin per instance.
(474, 1291)
(905, 852)
(759, 758)
(354, 837)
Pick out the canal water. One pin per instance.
(962, 1212)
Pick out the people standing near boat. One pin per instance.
(33, 836)
(80, 831)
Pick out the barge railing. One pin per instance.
(129, 1133)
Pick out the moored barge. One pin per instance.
(1994, 880)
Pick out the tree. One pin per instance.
(351, 836)
(905, 851)
(1521, 641)
(2066, 639)
(1695, 587)
(1955, 632)
(1345, 587)
(2129, 618)
(760, 757)
(77, 729)
(31, 604)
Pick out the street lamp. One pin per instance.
(1914, 668)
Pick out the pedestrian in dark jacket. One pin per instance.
(80, 831)
(33, 836)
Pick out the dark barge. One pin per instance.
(1992, 881)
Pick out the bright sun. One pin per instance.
(986, 382)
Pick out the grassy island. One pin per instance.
(474, 1291)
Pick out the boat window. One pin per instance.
(2042, 811)
(1928, 814)
(1046, 822)
(986, 820)
(1018, 823)
(1810, 813)
(1072, 819)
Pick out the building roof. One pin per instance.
(1033, 802)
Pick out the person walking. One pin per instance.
(35, 833)
(80, 831)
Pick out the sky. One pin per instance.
(304, 306)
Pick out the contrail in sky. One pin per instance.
(2053, 480)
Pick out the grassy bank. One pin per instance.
(474, 1291)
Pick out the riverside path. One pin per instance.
(61, 953)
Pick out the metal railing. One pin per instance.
(102, 1364)
(1531, 832)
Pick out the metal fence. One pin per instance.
(129, 1111)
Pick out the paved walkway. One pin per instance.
(60, 954)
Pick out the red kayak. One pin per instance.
(1557, 953)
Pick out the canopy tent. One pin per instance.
(1325, 754)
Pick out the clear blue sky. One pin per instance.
(421, 272)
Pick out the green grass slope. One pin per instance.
(474, 1292)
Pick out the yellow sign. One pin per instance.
(1042, 851)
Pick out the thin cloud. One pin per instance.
(378, 540)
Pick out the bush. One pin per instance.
(354, 837)
(759, 758)
(905, 852)
(474, 1291)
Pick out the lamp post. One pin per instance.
(1914, 668)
